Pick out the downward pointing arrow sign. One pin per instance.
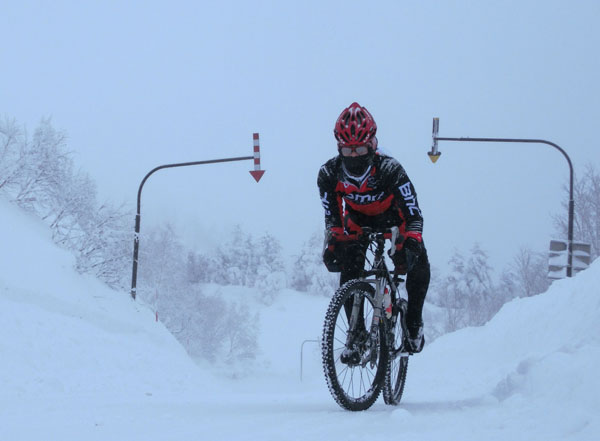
(257, 174)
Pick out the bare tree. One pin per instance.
(12, 153)
(586, 193)
(529, 271)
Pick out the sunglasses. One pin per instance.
(359, 150)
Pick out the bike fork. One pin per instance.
(374, 334)
(377, 307)
(355, 312)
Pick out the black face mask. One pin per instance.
(357, 165)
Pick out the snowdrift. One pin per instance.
(522, 344)
(534, 365)
(64, 333)
(80, 360)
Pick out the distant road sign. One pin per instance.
(558, 258)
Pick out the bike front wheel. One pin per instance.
(397, 363)
(355, 385)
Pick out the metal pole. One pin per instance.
(539, 141)
(136, 239)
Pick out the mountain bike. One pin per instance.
(375, 329)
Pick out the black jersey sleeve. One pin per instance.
(332, 204)
(406, 196)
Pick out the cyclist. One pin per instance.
(361, 187)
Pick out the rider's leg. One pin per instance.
(353, 263)
(352, 268)
(417, 283)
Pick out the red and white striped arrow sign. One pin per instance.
(257, 173)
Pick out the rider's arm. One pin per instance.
(406, 196)
(332, 203)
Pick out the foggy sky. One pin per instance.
(139, 84)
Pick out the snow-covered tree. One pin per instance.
(210, 327)
(270, 272)
(242, 260)
(48, 166)
(39, 175)
(236, 261)
(308, 273)
(105, 248)
(241, 332)
(161, 261)
(468, 293)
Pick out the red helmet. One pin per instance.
(354, 126)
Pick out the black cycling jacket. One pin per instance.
(383, 197)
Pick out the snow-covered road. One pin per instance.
(83, 362)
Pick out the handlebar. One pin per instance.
(369, 234)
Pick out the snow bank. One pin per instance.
(80, 360)
(534, 362)
(65, 334)
(564, 320)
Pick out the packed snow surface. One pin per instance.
(80, 361)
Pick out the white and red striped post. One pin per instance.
(257, 173)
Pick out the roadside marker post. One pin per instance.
(257, 174)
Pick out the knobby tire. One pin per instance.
(397, 366)
(344, 381)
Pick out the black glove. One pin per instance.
(411, 251)
(331, 255)
(330, 259)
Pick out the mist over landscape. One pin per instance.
(141, 84)
(231, 282)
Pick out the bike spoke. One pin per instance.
(344, 331)
(371, 376)
(344, 321)
(362, 383)
(343, 343)
(394, 372)
(345, 374)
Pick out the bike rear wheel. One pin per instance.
(354, 386)
(397, 362)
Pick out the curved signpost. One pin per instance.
(257, 174)
(434, 155)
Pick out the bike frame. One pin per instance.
(379, 276)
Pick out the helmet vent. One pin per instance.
(360, 117)
(346, 118)
(354, 126)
